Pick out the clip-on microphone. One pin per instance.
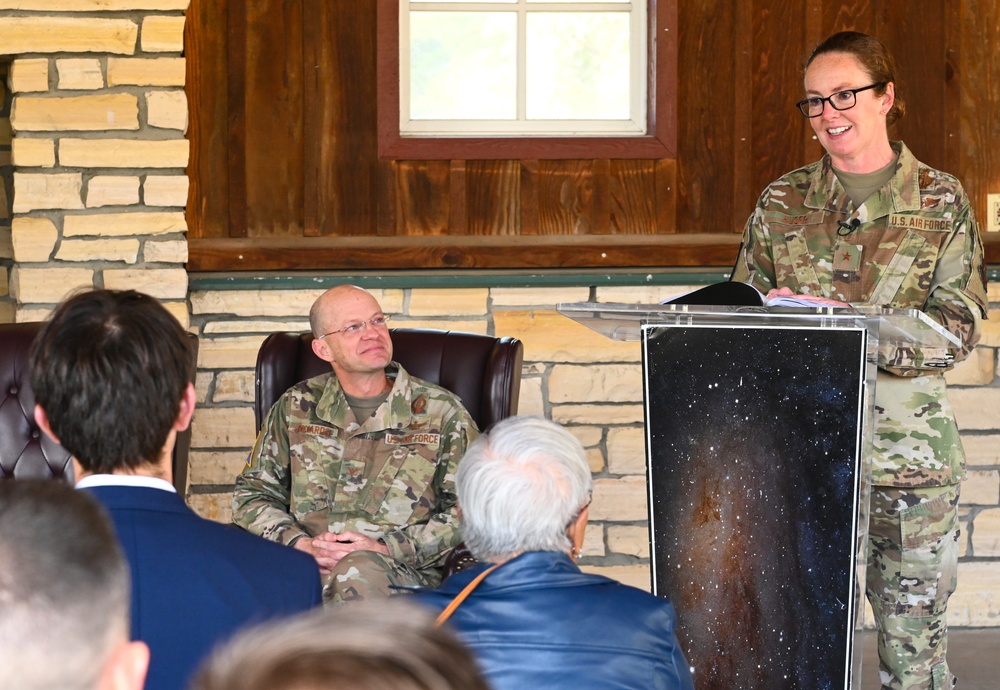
(844, 228)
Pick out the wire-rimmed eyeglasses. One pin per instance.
(842, 100)
(358, 327)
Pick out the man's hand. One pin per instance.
(328, 548)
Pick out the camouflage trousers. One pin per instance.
(369, 575)
(912, 570)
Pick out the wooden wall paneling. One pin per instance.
(385, 201)
(315, 109)
(565, 197)
(814, 29)
(857, 15)
(917, 41)
(236, 133)
(779, 129)
(483, 252)
(529, 196)
(493, 197)
(458, 216)
(632, 191)
(744, 189)
(342, 137)
(320, 91)
(600, 198)
(208, 169)
(273, 113)
(666, 196)
(952, 135)
(422, 197)
(978, 122)
(706, 99)
(728, 148)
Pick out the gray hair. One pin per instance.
(520, 485)
(64, 587)
(368, 645)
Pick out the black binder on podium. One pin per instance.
(758, 439)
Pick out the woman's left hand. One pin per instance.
(823, 301)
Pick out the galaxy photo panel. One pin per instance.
(754, 438)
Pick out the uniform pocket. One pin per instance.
(403, 491)
(929, 557)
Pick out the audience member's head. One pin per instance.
(350, 332)
(370, 645)
(64, 593)
(111, 372)
(524, 485)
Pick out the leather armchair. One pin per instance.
(25, 450)
(485, 372)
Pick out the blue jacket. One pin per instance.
(537, 621)
(195, 582)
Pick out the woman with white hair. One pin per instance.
(531, 617)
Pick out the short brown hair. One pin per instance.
(875, 59)
(368, 645)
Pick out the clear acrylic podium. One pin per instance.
(758, 438)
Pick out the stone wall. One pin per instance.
(579, 378)
(98, 115)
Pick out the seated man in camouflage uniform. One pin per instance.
(357, 467)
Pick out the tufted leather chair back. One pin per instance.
(25, 450)
(484, 371)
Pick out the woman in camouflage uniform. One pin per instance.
(870, 224)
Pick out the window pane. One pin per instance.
(463, 65)
(578, 65)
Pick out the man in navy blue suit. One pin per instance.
(111, 373)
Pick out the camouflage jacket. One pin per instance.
(915, 244)
(309, 470)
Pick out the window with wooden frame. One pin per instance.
(522, 67)
(523, 60)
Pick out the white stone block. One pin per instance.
(112, 190)
(619, 500)
(33, 153)
(41, 191)
(33, 239)
(47, 285)
(162, 283)
(627, 451)
(165, 190)
(126, 250)
(167, 110)
(80, 74)
(29, 74)
(595, 383)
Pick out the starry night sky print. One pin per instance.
(754, 437)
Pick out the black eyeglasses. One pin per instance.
(842, 100)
